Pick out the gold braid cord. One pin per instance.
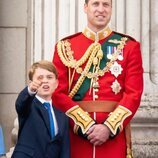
(86, 70)
(68, 60)
(129, 153)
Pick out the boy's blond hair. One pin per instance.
(44, 64)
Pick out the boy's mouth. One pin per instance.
(45, 87)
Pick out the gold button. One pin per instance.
(86, 119)
(96, 96)
(115, 117)
(83, 117)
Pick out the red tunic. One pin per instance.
(130, 80)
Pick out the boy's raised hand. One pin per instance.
(34, 85)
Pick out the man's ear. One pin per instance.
(85, 8)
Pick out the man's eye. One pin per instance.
(95, 4)
(106, 4)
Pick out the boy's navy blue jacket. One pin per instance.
(34, 138)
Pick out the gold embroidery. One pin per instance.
(81, 118)
(97, 36)
(115, 120)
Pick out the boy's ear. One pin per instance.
(57, 83)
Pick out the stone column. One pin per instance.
(138, 19)
(13, 47)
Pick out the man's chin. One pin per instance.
(101, 26)
(101, 23)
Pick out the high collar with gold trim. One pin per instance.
(97, 36)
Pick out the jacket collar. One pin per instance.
(42, 100)
(97, 36)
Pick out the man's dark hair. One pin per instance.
(86, 1)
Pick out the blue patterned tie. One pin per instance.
(47, 106)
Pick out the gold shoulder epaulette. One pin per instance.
(116, 118)
(81, 118)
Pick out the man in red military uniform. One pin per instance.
(100, 85)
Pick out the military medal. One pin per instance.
(116, 69)
(110, 51)
(120, 56)
(116, 87)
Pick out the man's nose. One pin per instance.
(100, 8)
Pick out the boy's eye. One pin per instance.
(49, 77)
(40, 77)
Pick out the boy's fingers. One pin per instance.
(37, 83)
(34, 85)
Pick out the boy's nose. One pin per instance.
(44, 79)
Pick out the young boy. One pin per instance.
(43, 130)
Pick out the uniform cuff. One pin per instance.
(81, 118)
(116, 119)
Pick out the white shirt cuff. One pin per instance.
(30, 92)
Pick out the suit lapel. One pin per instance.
(58, 119)
(44, 114)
